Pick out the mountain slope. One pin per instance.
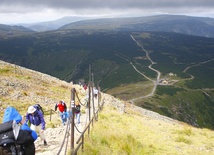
(7, 31)
(138, 131)
(52, 25)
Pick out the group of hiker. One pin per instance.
(65, 113)
(18, 134)
(95, 90)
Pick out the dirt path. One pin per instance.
(155, 82)
(55, 136)
(198, 64)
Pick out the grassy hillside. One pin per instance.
(7, 31)
(21, 87)
(134, 133)
(119, 130)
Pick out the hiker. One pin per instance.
(77, 111)
(19, 135)
(95, 92)
(85, 87)
(37, 122)
(62, 111)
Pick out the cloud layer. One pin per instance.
(102, 7)
(118, 4)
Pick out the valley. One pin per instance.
(165, 72)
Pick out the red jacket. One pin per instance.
(61, 106)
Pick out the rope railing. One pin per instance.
(71, 126)
(80, 140)
(67, 132)
(80, 100)
(65, 136)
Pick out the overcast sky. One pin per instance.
(29, 11)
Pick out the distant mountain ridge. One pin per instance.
(52, 25)
(14, 30)
(197, 26)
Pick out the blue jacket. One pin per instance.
(36, 119)
(11, 113)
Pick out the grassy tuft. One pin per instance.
(185, 131)
(183, 139)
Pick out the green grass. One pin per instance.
(113, 139)
(130, 133)
(130, 91)
(183, 139)
(4, 70)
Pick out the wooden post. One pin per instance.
(72, 118)
(99, 97)
(50, 115)
(89, 97)
(92, 85)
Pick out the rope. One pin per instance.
(79, 99)
(66, 135)
(66, 131)
(87, 115)
(77, 128)
(66, 146)
(69, 125)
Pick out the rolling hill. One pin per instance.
(7, 31)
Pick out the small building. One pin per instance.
(171, 74)
(164, 82)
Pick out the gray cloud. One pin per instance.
(112, 4)
(101, 7)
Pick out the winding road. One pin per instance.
(155, 82)
(198, 64)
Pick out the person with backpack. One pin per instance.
(37, 122)
(62, 111)
(16, 137)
